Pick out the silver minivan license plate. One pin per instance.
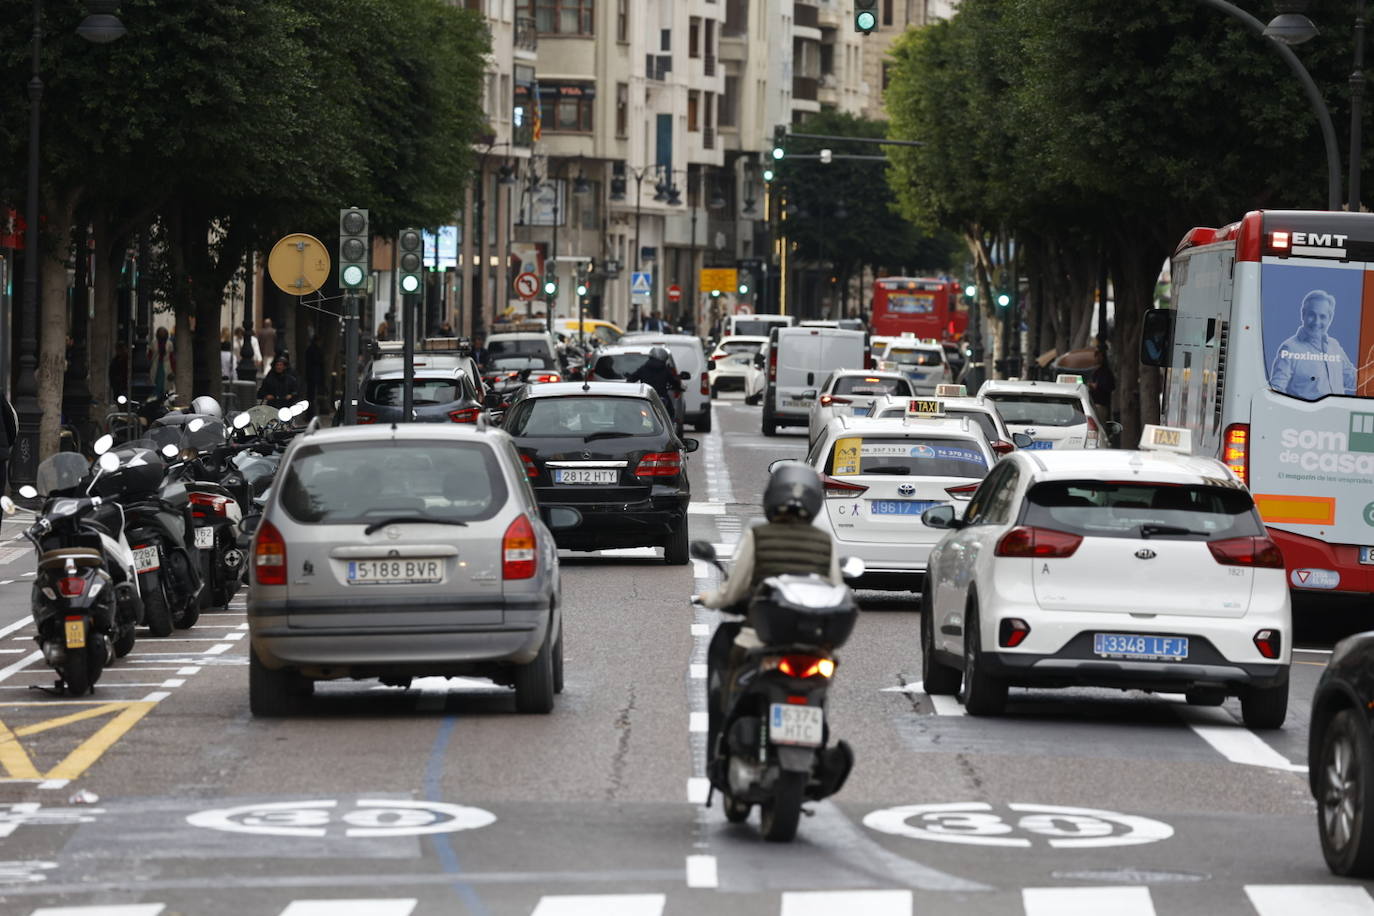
(414, 571)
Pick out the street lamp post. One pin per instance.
(100, 26)
(580, 186)
(639, 176)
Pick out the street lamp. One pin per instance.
(101, 26)
(639, 176)
(580, 186)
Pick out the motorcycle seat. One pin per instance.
(175, 496)
(80, 556)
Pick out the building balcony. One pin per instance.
(830, 15)
(806, 15)
(805, 88)
(526, 36)
(708, 65)
(708, 138)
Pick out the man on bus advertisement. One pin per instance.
(1311, 363)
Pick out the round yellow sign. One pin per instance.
(298, 264)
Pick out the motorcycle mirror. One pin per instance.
(109, 462)
(701, 550)
(27, 491)
(121, 400)
(169, 451)
(195, 425)
(103, 444)
(242, 420)
(189, 454)
(7, 505)
(284, 415)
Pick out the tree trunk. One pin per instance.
(109, 257)
(52, 353)
(185, 357)
(1136, 260)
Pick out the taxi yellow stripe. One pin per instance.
(1297, 510)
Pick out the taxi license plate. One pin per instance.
(585, 475)
(1367, 555)
(900, 506)
(145, 559)
(1041, 444)
(800, 725)
(860, 411)
(1140, 648)
(76, 634)
(205, 538)
(795, 404)
(395, 572)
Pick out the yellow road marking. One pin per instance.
(89, 751)
(17, 765)
(13, 758)
(67, 720)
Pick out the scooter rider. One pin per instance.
(657, 372)
(787, 544)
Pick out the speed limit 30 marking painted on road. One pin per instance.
(367, 818)
(1021, 826)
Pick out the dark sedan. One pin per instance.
(608, 450)
(438, 396)
(1340, 757)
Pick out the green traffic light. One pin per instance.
(744, 289)
(970, 291)
(582, 289)
(778, 152)
(353, 275)
(550, 288)
(410, 283)
(715, 294)
(1003, 300)
(768, 174)
(865, 21)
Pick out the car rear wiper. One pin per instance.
(1148, 530)
(889, 469)
(607, 434)
(417, 519)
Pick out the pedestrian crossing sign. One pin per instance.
(641, 283)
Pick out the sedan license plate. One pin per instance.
(205, 538)
(76, 634)
(1367, 556)
(145, 559)
(900, 506)
(796, 404)
(800, 725)
(860, 411)
(1140, 648)
(395, 572)
(1041, 444)
(585, 475)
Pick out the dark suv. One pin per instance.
(609, 450)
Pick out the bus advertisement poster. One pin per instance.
(1311, 316)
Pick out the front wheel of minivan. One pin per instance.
(534, 682)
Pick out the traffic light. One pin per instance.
(354, 248)
(411, 260)
(865, 15)
(779, 140)
(1003, 300)
(744, 288)
(769, 175)
(971, 291)
(550, 279)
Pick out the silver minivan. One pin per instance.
(403, 551)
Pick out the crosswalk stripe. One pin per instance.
(395, 907)
(1087, 901)
(602, 905)
(827, 903)
(1327, 899)
(118, 909)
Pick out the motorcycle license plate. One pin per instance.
(205, 538)
(799, 725)
(145, 559)
(76, 634)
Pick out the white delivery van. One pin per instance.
(798, 359)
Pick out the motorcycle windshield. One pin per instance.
(208, 435)
(61, 472)
(260, 416)
(162, 436)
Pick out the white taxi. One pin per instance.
(731, 364)
(879, 477)
(922, 360)
(851, 393)
(1137, 570)
(953, 402)
(1057, 414)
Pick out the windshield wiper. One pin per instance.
(417, 519)
(1148, 530)
(607, 434)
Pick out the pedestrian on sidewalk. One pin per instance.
(267, 339)
(9, 435)
(164, 362)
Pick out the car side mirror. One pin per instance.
(758, 360)
(702, 550)
(810, 394)
(491, 399)
(941, 517)
(810, 378)
(852, 568)
(561, 518)
(690, 445)
(685, 376)
(1157, 338)
(1021, 440)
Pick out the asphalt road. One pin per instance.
(160, 794)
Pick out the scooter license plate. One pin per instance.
(205, 538)
(145, 559)
(800, 725)
(76, 634)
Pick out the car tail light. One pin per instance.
(834, 487)
(364, 417)
(659, 464)
(964, 491)
(828, 399)
(549, 377)
(1003, 447)
(1235, 450)
(71, 586)
(1257, 551)
(1269, 643)
(269, 555)
(1091, 440)
(804, 666)
(518, 560)
(705, 384)
(1037, 543)
(531, 469)
(465, 415)
(1011, 632)
(213, 502)
(772, 364)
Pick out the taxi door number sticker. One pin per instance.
(847, 456)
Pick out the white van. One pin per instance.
(798, 359)
(756, 325)
(690, 357)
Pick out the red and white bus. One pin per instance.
(1269, 358)
(923, 306)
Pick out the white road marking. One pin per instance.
(698, 787)
(1087, 901)
(219, 649)
(172, 682)
(234, 635)
(706, 508)
(826, 903)
(394, 907)
(157, 696)
(110, 909)
(696, 672)
(1327, 899)
(9, 628)
(10, 651)
(1316, 651)
(190, 669)
(54, 784)
(701, 629)
(104, 683)
(724, 551)
(629, 552)
(944, 705)
(1235, 743)
(701, 871)
(697, 722)
(600, 905)
(20, 665)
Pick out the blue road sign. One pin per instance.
(641, 283)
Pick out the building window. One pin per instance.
(887, 12)
(567, 107)
(622, 109)
(729, 102)
(665, 40)
(886, 74)
(736, 17)
(694, 38)
(523, 114)
(588, 215)
(563, 17)
(693, 100)
(622, 20)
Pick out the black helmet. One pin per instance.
(660, 353)
(793, 489)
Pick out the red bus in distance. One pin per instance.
(921, 306)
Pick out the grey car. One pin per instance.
(399, 552)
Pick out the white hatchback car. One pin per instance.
(922, 361)
(852, 393)
(1138, 570)
(1055, 415)
(731, 364)
(879, 477)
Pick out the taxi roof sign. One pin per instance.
(925, 407)
(951, 391)
(1166, 439)
(1069, 379)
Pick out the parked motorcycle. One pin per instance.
(770, 746)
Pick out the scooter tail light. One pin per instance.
(1037, 543)
(71, 586)
(214, 502)
(269, 555)
(519, 558)
(805, 666)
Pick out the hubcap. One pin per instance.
(1342, 790)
